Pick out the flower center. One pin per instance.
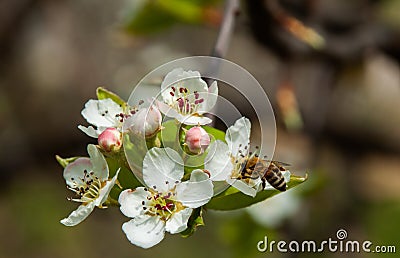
(132, 110)
(160, 204)
(239, 161)
(87, 188)
(183, 100)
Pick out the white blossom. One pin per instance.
(166, 203)
(185, 97)
(88, 178)
(103, 114)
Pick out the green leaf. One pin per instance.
(149, 19)
(106, 94)
(194, 162)
(233, 199)
(126, 178)
(218, 134)
(65, 162)
(195, 220)
(152, 16)
(135, 149)
(182, 10)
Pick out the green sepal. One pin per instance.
(232, 199)
(106, 94)
(65, 162)
(195, 220)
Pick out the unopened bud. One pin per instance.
(146, 121)
(197, 140)
(110, 139)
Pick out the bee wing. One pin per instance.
(278, 163)
(281, 163)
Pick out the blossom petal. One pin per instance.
(210, 98)
(102, 112)
(197, 191)
(162, 167)
(242, 186)
(178, 222)
(105, 190)
(286, 175)
(131, 201)
(180, 78)
(238, 136)
(193, 119)
(166, 109)
(144, 231)
(89, 131)
(218, 161)
(78, 215)
(274, 211)
(74, 171)
(100, 167)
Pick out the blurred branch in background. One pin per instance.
(226, 29)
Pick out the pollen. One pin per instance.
(162, 205)
(184, 101)
(87, 187)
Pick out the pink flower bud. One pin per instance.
(197, 140)
(110, 139)
(146, 121)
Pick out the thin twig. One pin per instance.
(226, 29)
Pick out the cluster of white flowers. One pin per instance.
(170, 192)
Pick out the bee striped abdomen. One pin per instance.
(275, 178)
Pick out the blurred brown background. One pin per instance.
(330, 68)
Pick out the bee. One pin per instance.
(254, 168)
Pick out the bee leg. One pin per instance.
(263, 183)
(246, 177)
